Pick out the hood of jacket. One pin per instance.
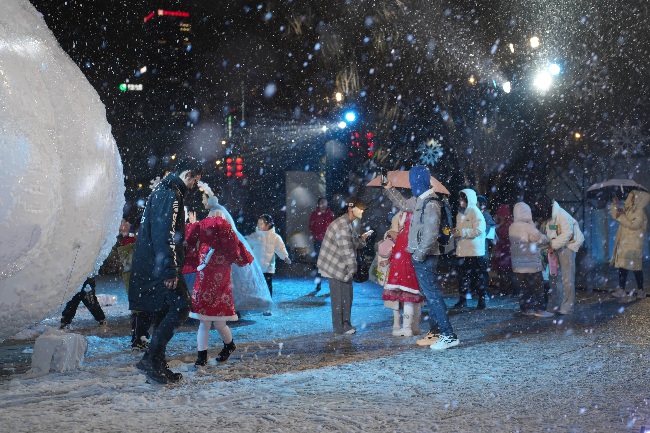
(471, 196)
(420, 180)
(637, 200)
(523, 213)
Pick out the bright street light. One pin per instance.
(350, 116)
(534, 42)
(342, 124)
(507, 87)
(338, 96)
(554, 69)
(543, 81)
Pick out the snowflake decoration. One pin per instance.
(430, 151)
(154, 182)
(628, 140)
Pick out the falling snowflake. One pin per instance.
(430, 151)
(154, 182)
(628, 140)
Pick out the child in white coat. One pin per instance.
(266, 243)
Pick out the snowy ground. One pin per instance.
(589, 372)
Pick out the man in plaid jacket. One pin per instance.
(337, 262)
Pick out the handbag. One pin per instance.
(363, 269)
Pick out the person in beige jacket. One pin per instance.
(627, 254)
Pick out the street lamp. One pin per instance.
(534, 42)
(338, 96)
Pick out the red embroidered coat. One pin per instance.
(212, 295)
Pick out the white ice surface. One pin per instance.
(62, 183)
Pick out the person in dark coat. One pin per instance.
(157, 285)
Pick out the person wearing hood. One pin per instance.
(470, 233)
(627, 254)
(565, 241)
(425, 251)
(525, 256)
(266, 243)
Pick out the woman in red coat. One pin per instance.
(212, 300)
(501, 263)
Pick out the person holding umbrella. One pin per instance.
(627, 254)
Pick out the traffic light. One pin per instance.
(230, 169)
(239, 167)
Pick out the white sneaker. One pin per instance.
(543, 314)
(619, 293)
(350, 331)
(428, 339)
(445, 342)
(403, 332)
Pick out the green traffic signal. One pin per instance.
(123, 87)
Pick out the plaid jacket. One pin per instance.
(338, 254)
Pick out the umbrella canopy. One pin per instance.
(400, 179)
(602, 192)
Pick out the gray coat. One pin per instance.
(425, 223)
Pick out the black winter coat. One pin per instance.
(159, 252)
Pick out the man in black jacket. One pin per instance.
(157, 285)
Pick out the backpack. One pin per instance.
(444, 228)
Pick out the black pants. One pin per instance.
(622, 278)
(531, 289)
(88, 297)
(473, 276)
(140, 323)
(269, 282)
(175, 311)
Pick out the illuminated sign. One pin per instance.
(124, 87)
(163, 12)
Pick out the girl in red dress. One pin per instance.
(401, 288)
(212, 300)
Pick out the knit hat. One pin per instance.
(420, 180)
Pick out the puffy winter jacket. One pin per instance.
(265, 245)
(630, 236)
(471, 225)
(526, 242)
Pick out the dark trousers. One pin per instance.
(622, 278)
(317, 245)
(531, 288)
(269, 282)
(473, 276)
(176, 309)
(140, 324)
(88, 297)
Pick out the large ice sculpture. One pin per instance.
(61, 180)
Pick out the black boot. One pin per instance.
(462, 303)
(318, 287)
(227, 350)
(202, 359)
(481, 303)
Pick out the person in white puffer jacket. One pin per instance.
(266, 243)
(470, 233)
